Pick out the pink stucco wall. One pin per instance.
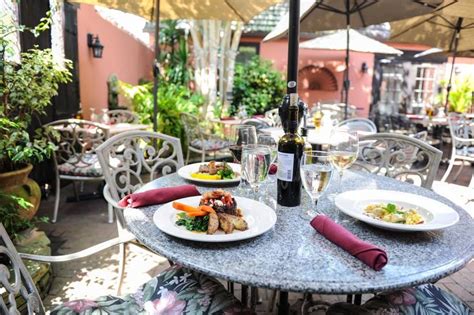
(361, 83)
(123, 55)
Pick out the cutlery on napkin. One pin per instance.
(369, 254)
(158, 196)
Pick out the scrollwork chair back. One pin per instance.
(117, 116)
(273, 116)
(400, 157)
(15, 280)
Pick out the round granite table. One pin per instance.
(294, 257)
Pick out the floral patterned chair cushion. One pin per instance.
(209, 145)
(87, 166)
(422, 300)
(176, 290)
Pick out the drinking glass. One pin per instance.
(272, 144)
(343, 151)
(241, 135)
(316, 171)
(255, 163)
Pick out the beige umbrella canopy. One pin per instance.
(357, 42)
(227, 10)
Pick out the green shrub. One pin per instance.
(257, 86)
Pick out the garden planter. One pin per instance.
(17, 183)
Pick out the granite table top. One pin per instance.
(294, 257)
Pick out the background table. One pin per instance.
(294, 257)
(124, 127)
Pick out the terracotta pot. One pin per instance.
(15, 178)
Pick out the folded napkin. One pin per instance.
(371, 255)
(158, 196)
(273, 169)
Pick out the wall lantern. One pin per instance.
(364, 68)
(93, 42)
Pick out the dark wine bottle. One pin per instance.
(290, 151)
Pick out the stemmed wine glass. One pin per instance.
(316, 171)
(241, 135)
(255, 163)
(272, 144)
(343, 151)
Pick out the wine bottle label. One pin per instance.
(285, 166)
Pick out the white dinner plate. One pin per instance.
(186, 171)
(260, 218)
(436, 215)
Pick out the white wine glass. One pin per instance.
(316, 171)
(343, 151)
(255, 163)
(240, 136)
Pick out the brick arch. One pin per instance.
(315, 78)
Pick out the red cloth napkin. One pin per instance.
(158, 196)
(273, 169)
(371, 255)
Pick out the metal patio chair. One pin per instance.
(129, 160)
(461, 130)
(257, 123)
(75, 158)
(400, 157)
(273, 117)
(117, 116)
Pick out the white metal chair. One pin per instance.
(117, 116)
(400, 157)
(129, 160)
(198, 140)
(257, 123)
(358, 124)
(16, 285)
(75, 158)
(273, 116)
(462, 141)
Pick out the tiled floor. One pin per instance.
(85, 223)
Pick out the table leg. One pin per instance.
(283, 306)
(349, 298)
(358, 299)
(244, 295)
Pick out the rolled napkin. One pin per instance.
(273, 169)
(370, 254)
(158, 196)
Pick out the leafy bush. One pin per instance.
(257, 86)
(173, 99)
(460, 96)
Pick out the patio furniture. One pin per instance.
(198, 140)
(358, 124)
(257, 123)
(130, 160)
(461, 130)
(400, 157)
(293, 257)
(75, 158)
(122, 116)
(191, 287)
(273, 116)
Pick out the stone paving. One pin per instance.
(84, 224)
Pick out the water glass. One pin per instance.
(272, 144)
(316, 171)
(241, 135)
(256, 159)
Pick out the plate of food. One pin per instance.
(397, 211)
(216, 216)
(212, 172)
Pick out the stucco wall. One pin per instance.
(361, 83)
(123, 55)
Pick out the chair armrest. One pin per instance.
(464, 140)
(109, 198)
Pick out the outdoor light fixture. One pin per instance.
(93, 42)
(364, 68)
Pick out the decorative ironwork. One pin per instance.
(117, 116)
(400, 157)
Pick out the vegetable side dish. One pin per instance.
(393, 214)
(215, 171)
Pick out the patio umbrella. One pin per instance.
(326, 15)
(226, 10)
(450, 30)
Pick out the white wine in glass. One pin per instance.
(343, 150)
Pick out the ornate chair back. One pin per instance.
(117, 116)
(192, 128)
(77, 143)
(131, 159)
(400, 157)
(461, 129)
(358, 124)
(257, 123)
(273, 116)
(15, 281)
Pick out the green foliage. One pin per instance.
(10, 214)
(257, 86)
(460, 96)
(197, 224)
(173, 99)
(26, 90)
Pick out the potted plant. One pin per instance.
(26, 89)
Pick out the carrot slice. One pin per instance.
(207, 209)
(196, 213)
(184, 207)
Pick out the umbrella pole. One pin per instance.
(156, 68)
(455, 50)
(347, 83)
(293, 45)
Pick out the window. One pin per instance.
(247, 51)
(391, 88)
(425, 85)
